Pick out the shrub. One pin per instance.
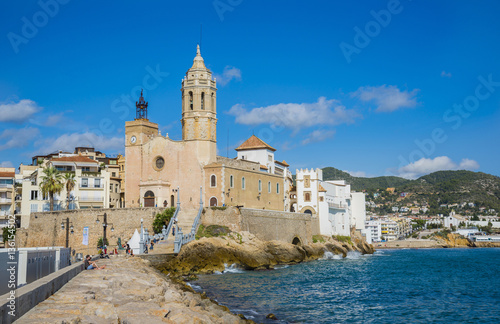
(318, 238)
(218, 208)
(162, 219)
(342, 238)
(212, 231)
(100, 243)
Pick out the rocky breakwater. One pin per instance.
(209, 255)
(127, 291)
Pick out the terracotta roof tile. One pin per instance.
(254, 143)
(264, 167)
(321, 189)
(7, 174)
(282, 163)
(74, 159)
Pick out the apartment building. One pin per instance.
(97, 182)
(7, 194)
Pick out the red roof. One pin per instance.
(254, 143)
(264, 167)
(7, 174)
(74, 159)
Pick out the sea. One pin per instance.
(390, 286)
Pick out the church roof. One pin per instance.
(254, 143)
(74, 159)
(321, 189)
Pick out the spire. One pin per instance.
(198, 62)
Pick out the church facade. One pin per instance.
(157, 166)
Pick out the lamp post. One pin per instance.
(69, 227)
(105, 225)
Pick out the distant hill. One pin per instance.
(360, 183)
(442, 187)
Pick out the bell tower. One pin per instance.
(199, 114)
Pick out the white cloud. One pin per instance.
(18, 112)
(229, 73)
(356, 173)
(68, 142)
(387, 98)
(296, 115)
(6, 164)
(445, 74)
(318, 136)
(17, 138)
(426, 166)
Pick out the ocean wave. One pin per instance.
(284, 266)
(330, 256)
(353, 255)
(233, 268)
(195, 287)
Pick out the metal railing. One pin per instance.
(174, 217)
(180, 238)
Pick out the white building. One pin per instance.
(93, 187)
(373, 231)
(337, 208)
(7, 194)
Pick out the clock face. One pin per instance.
(133, 139)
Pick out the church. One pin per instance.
(157, 167)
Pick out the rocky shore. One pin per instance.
(129, 291)
(209, 255)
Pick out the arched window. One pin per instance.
(191, 100)
(260, 185)
(277, 188)
(213, 181)
(307, 196)
(231, 181)
(243, 183)
(212, 101)
(203, 100)
(269, 187)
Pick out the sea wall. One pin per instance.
(265, 224)
(45, 228)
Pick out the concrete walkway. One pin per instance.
(127, 291)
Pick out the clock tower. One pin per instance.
(137, 133)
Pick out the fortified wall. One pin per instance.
(267, 225)
(45, 227)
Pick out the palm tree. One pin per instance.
(51, 184)
(69, 183)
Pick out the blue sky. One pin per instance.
(372, 87)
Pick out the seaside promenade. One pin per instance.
(130, 291)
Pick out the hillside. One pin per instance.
(435, 189)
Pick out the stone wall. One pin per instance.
(267, 225)
(45, 228)
(229, 217)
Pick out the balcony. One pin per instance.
(5, 185)
(5, 200)
(82, 186)
(5, 212)
(91, 199)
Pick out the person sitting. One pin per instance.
(91, 265)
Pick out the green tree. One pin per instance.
(162, 219)
(69, 183)
(51, 184)
(8, 231)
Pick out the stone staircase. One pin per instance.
(185, 220)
